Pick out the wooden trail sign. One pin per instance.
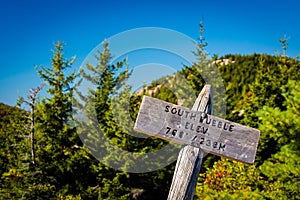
(184, 126)
(201, 132)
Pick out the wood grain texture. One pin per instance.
(190, 158)
(184, 126)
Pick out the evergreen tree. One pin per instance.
(62, 167)
(114, 143)
(99, 122)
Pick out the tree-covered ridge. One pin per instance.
(7, 113)
(258, 75)
(11, 121)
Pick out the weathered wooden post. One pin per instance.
(190, 158)
(201, 132)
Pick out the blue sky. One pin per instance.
(28, 30)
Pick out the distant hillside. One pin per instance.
(244, 76)
(7, 113)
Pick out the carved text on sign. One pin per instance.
(210, 133)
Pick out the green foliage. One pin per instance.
(283, 168)
(13, 130)
(283, 171)
(230, 179)
(276, 175)
(283, 125)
